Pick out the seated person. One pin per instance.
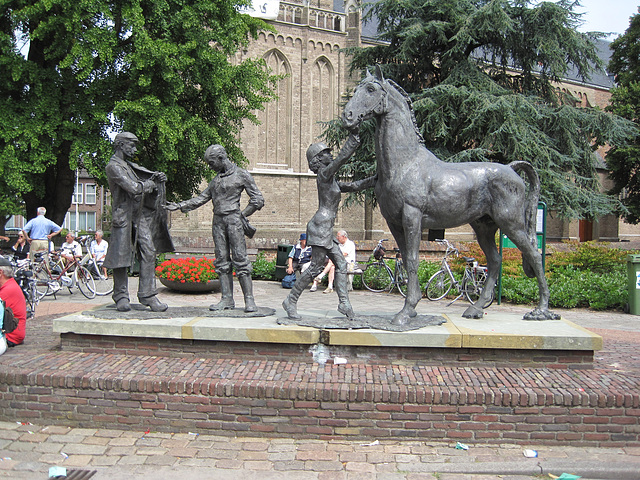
(13, 297)
(98, 249)
(299, 256)
(21, 248)
(348, 249)
(70, 249)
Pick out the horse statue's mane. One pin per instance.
(410, 104)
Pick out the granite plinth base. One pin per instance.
(502, 340)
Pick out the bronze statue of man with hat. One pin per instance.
(139, 223)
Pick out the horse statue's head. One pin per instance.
(369, 100)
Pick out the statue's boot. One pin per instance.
(226, 287)
(290, 303)
(247, 290)
(341, 284)
(155, 304)
(123, 305)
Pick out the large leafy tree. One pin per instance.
(624, 160)
(74, 71)
(481, 74)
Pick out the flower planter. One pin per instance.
(198, 274)
(191, 287)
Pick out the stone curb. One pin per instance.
(585, 468)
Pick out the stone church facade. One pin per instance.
(306, 50)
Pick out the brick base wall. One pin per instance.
(483, 415)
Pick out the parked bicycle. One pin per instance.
(25, 278)
(473, 279)
(377, 276)
(50, 278)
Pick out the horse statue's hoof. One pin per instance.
(540, 315)
(473, 312)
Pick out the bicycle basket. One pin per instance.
(378, 252)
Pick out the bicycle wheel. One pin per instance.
(85, 282)
(103, 285)
(377, 277)
(438, 285)
(472, 288)
(31, 305)
(402, 279)
(26, 283)
(42, 279)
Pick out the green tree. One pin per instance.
(624, 160)
(163, 69)
(481, 74)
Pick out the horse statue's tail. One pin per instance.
(531, 207)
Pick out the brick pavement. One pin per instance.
(27, 451)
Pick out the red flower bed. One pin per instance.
(184, 270)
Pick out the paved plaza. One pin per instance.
(27, 451)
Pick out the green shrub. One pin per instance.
(357, 282)
(426, 271)
(264, 269)
(591, 275)
(570, 287)
(590, 256)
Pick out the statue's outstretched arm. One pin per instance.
(358, 184)
(195, 202)
(346, 151)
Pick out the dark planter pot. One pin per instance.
(192, 287)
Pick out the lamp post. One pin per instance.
(76, 198)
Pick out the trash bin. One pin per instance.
(281, 260)
(633, 274)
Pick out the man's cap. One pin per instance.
(303, 236)
(125, 136)
(315, 149)
(5, 262)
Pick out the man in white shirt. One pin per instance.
(71, 249)
(98, 249)
(348, 249)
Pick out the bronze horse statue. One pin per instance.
(416, 190)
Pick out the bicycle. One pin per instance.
(377, 276)
(472, 284)
(51, 278)
(25, 278)
(23, 275)
(103, 284)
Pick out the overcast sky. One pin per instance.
(607, 15)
